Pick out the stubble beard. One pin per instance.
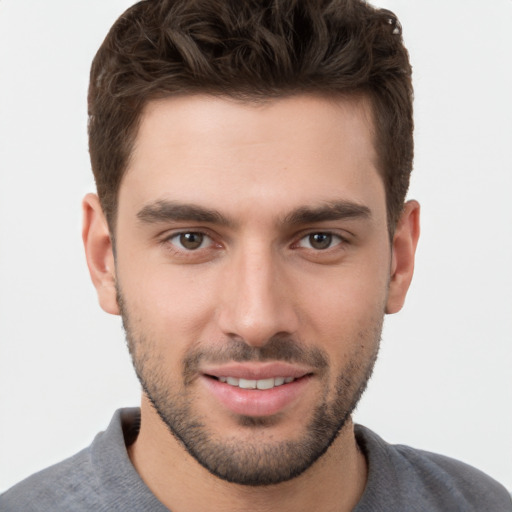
(259, 461)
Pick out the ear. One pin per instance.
(99, 253)
(404, 245)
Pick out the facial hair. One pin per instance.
(259, 461)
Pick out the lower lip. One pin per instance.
(254, 402)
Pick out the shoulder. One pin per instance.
(444, 478)
(427, 481)
(64, 486)
(100, 478)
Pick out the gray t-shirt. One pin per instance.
(400, 479)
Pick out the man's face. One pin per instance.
(252, 271)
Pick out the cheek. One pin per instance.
(169, 302)
(345, 312)
(346, 296)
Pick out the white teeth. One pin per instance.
(247, 384)
(256, 384)
(265, 383)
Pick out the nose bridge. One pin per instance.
(256, 304)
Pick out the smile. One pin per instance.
(256, 384)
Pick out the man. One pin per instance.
(252, 163)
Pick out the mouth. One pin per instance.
(255, 389)
(261, 384)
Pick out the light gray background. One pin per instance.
(443, 382)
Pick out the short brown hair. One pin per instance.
(250, 49)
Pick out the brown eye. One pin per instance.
(320, 240)
(190, 240)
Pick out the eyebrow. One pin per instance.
(168, 211)
(172, 211)
(331, 210)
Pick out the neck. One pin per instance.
(335, 482)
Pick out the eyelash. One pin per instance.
(331, 238)
(173, 246)
(195, 233)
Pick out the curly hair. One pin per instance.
(250, 50)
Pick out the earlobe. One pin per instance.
(404, 245)
(99, 253)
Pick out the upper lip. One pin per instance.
(256, 370)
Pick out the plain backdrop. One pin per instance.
(443, 381)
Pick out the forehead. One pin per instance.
(280, 153)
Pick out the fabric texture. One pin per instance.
(400, 479)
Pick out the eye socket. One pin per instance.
(194, 240)
(190, 240)
(320, 241)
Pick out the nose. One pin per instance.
(257, 299)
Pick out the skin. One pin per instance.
(255, 276)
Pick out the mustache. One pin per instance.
(278, 348)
